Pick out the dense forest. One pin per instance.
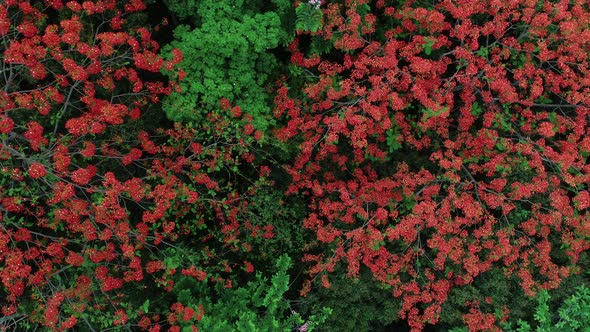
(279, 165)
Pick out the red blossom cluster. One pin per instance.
(89, 203)
(444, 141)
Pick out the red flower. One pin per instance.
(546, 129)
(135, 113)
(75, 71)
(89, 150)
(148, 61)
(188, 313)
(236, 111)
(258, 135)
(224, 104)
(111, 283)
(144, 322)
(6, 124)
(74, 259)
(583, 200)
(35, 135)
(268, 232)
(194, 272)
(249, 267)
(130, 157)
(37, 170)
(70, 322)
(83, 176)
(248, 129)
(121, 317)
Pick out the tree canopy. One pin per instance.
(272, 165)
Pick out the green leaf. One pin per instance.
(430, 113)
(483, 52)
(476, 110)
(145, 307)
(427, 46)
(392, 140)
(308, 18)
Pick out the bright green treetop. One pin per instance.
(226, 56)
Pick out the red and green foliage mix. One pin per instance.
(426, 145)
(91, 202)
(438, 141)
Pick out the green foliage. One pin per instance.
(572, 315)
(392, 141)
(257, 306)
(459, 329)
(428, 43)
(358, 305)
(269, 207)
(227, 55)
(183, 9)
(494, 285)
(309, 18)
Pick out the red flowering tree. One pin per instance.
(96, 214)
(440, 141)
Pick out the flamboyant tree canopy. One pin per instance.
(276, 166)
(442, 141)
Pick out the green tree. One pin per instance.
(227, 55)
(369, 305)
(572, 315)
(257, 306)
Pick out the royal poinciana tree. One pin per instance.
(439, 141)
(97, 216)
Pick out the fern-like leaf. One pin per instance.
(309, 18)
